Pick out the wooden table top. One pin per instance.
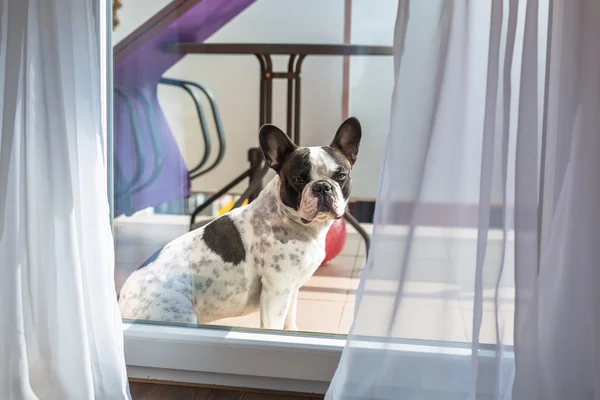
(279, 49)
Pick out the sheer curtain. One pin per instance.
(490, 291)
(60, 328)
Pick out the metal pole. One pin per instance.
(290, 94)
(269, 89)
(261, 102)
(296, 135)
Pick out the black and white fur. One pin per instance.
(255, 257)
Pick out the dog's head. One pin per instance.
(315, 182)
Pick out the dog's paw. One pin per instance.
(291, 327)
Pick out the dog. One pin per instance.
(258, 256)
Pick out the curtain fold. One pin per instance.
(60, 326)
(497, 299)
(558, 356)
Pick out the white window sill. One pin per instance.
(277, 361)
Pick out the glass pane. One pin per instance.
(189, 99)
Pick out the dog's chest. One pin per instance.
(290, 262)
(277, 249)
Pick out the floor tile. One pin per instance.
(463, 253)
(487, 333)
(331, 281)
(362, 250)
(350, 247)
(438, 293)
(415, 319)
(319, 316)
(340, 266)
(312, 316)
(325, 289)
(247, 321)
(347, 318)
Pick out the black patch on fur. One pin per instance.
(275, 145)
(297, 165)
(223, 238)
(152, 258)
(337, 156)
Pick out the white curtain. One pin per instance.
(501, 299)
(60, 328)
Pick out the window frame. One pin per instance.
(236, 357)
(225, 356)
(302, 362)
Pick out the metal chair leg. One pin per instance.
(361, 231)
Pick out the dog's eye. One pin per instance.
(340, 176)
(298, 180)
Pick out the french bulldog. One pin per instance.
(258, 256)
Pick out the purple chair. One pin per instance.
(149, 168)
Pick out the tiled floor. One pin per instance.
(325, 303)
(438, 291)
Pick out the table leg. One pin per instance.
(265, 113)
(265, 116)
(255, 183)
(297, 71)
(290, 95)
(361, 231)
(293, 96)
(269, 89)
(261, 96)
(257, 170)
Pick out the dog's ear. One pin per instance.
(347, 139)
(276, 146)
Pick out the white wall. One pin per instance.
(134, 13)
(371, 86)
(454, 158)
(234, 81)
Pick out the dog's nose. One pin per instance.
(322, 188)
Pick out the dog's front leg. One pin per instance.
(290, 319)
(274, 305)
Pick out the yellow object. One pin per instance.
(116, 5)
(227, 207)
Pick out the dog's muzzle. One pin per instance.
(321, 200)
(323, 191)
